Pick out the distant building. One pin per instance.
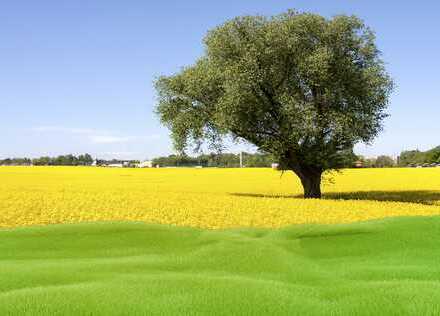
(275, 166)
(146, 164)
(358, 164)
(115, 165)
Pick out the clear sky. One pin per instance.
(76, 76)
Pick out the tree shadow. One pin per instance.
(270, 196)
(427, 197)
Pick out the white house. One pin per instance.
(146, 164)
(115, 165)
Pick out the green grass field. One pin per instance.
(385, 267)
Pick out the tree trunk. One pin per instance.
(311, 181)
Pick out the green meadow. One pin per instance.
(381, 267)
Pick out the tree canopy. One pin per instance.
(299, 86)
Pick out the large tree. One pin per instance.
(297, 85)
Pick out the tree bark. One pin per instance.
(310, 180)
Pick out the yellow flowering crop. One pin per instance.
(209, 198)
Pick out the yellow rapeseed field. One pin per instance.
(209, 198)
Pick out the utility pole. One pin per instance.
(241, 159)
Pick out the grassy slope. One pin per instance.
(387, 267)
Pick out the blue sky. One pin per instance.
(76, 76)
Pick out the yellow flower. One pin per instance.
(209, 198)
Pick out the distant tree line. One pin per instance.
(222, 160)
(409, 158)
(65, 160)
(62, 160)
(229, 160)
(417, 157)
(382, 161)
(16, 162)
